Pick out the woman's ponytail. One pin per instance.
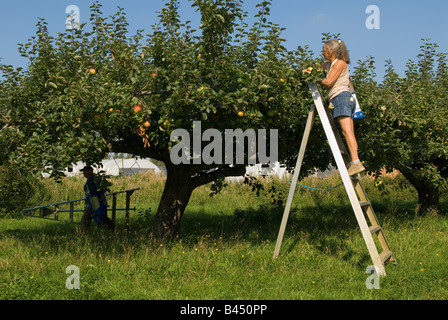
(339, 49)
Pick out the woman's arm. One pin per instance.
(338, 68)
(323, 66)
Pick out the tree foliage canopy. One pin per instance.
(76, 99)
(406, 127)
(57, 112)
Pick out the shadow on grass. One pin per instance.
(325, 227)
(56, 236)
(265, 220)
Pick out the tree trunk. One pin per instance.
(428, 195)
(428, 199)
(174, 200)
(181, 180)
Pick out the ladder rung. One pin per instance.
(364, 203)
(385, 255)
(374, 229)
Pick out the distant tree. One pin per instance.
(406, 127)
(15, 191)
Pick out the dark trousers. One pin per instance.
(87, 218)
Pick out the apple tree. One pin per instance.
(88, 92)
(406, 127)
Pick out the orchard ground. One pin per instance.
(225, 246)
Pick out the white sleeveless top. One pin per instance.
(341, 85)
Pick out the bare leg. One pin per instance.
(348, 130)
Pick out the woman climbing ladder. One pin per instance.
(338, 83)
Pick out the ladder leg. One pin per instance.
(373, 251)
(375, 225)
(341, 144)
(373, 219)
(308, 127)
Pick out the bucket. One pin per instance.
(358, 112)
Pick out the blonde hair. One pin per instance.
(339, 48)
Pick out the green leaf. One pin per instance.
(221, 18)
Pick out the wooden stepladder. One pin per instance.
(355, 191)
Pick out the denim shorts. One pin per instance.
(344, 105)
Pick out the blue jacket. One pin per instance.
(91, 190)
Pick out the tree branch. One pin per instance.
(137, 147)
(208, 176)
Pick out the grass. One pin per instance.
(225, 247)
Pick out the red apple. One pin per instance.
(92, 71)
(137, 109)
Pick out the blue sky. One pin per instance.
(402, 24)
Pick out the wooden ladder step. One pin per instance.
(374, 229)
(385, 255)
(364, 203)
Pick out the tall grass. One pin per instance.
(225, 246)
